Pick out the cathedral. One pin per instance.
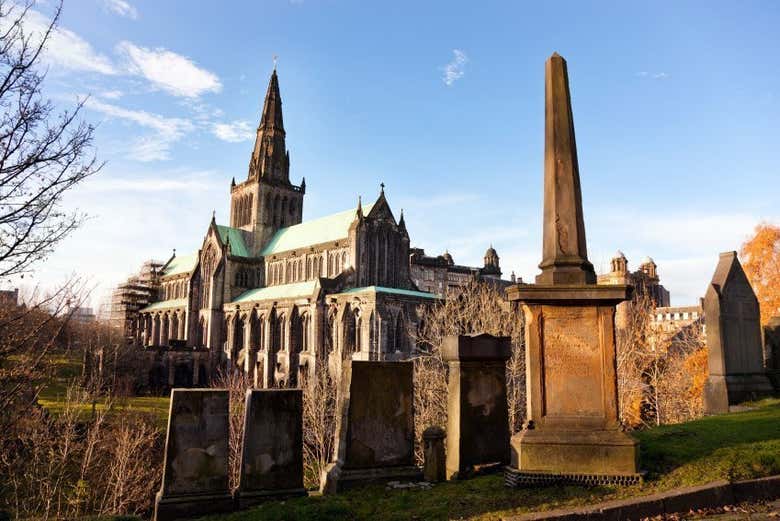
(274, 295)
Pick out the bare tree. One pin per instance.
(43, 154)
(475, 308)
(319, 423)
(236, 382)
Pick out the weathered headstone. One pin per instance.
(435, 463)
(272, 457)
(772, 346)
(736, 355)
(477, 415)
(375, 429)
(572, 432)
(195, 470)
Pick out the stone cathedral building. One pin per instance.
(277, 296)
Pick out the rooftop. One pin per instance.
(332, 227)
(297, 289)
(180, 264)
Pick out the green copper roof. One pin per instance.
(298, 289)
(166, 304)
(237, 246)
(325, 229)
(180, 264)
(394, 291)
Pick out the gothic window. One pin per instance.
(292, 207)
(308, 268)
(343, 260)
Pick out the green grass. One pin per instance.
(67, 369)
(735, 446)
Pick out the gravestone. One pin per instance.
(195, 469)
(572, 432)
(434, 459)
(272, 454)
(772, 346)
(374, 439)
(477, 415)
(736, 355)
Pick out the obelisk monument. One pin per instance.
(572, 432)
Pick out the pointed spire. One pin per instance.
(564, 250)
(272, 108)
(233, 182)
(401, 221)
(359, 210)
(213, 216)
(303, 185)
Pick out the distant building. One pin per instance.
(671, 319)
(135, 293)
(83, 315)
(9, 297)
(645, 281)
(440, 274)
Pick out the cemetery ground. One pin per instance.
(67, 366)
(736, 446)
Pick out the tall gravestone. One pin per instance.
(772, 346)
(477, 415)
(572, 432)
(272, 449)
(375, 430)
(736, 355)
(195, 470)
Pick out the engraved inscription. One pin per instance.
(572, 362)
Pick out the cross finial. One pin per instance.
(382, 187)
(276, 59)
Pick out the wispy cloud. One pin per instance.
(194, 182)
(171, 72)
(65, 48)
(121, 8)
(155, 147)
(454, 70)
(233, 132)
(653, 75)
(111, 94)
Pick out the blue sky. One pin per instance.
(675, 107)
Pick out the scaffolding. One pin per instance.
(136, 293)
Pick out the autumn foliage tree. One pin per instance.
(760, 257)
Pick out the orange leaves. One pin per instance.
(760, 257)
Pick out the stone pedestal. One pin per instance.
(734, 344)
(435, 464)
(272, 457)
(477, 416)
(375, 429)
(572, 430)
(195, 470)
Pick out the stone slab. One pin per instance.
(195, 469)
(272, 457)
(375, 429)
(477, 416)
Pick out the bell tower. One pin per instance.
(267, 201)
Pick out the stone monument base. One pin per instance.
(335, 478)
(191, 505)
(514, 478)
(249, 499)
(586, 453)
(722, 391)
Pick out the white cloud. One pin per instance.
(234, 132)
(454, 70)
(147, 148)
(121, 8)
(171, 72)
(65, 48)
(111, 94)
(166, 182)
(653, 75)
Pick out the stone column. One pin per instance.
(477, 416)
(165, 324)
(195, 469)
(182, 326)
(435, 466)
(155, 331)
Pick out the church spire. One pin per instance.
(269, 157)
